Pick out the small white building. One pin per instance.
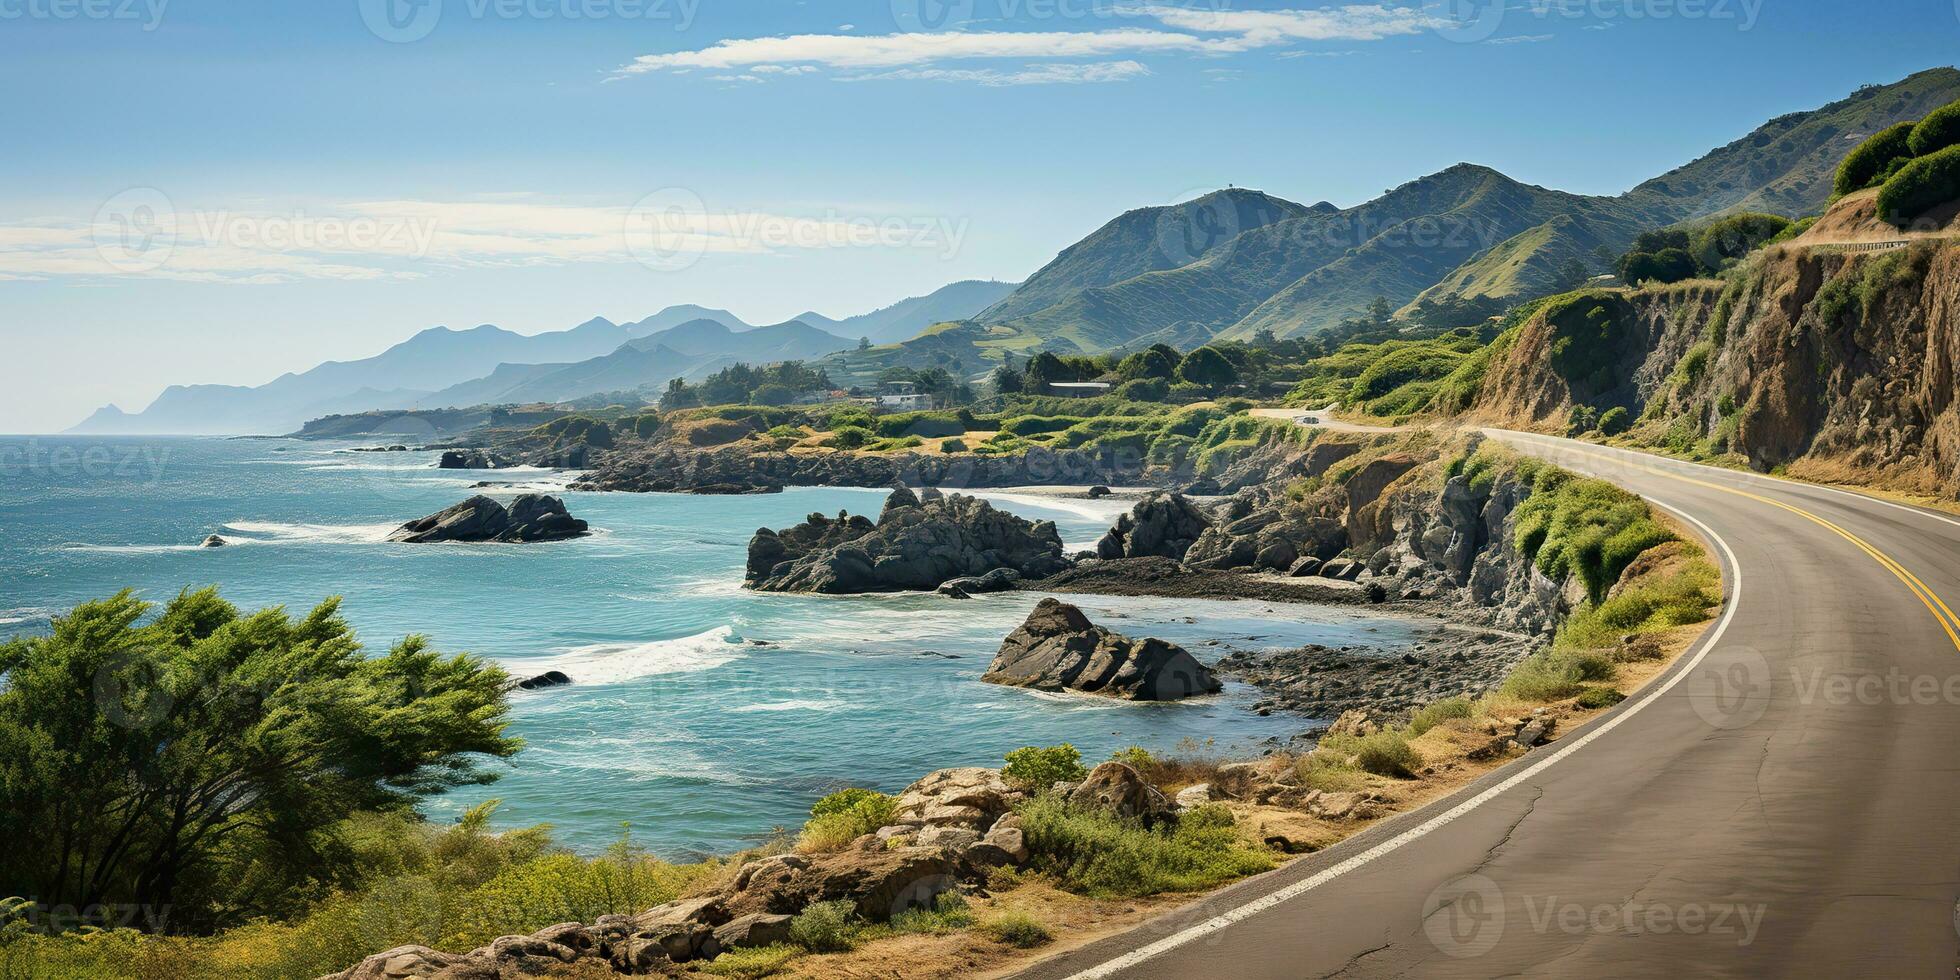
(1079, 389)
(904, 397)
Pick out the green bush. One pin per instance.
(1144, 390)
(1735, 236)
(949, 912)
(1614, 421)
(753, 963)
(844, 816)
(1678, 600)
(1387, 753)
(837, 418)
(1939, 130)
(1864, 167)
(1924, 184)
(825, 927)
(1555, 674)
(1018, 929)
(848, 437)
(929, 425)
(1092, 851)
(1030, 425)
(1038, 768)
(953, 446)
(1432, 715)
(1599, 697)
(1586, 527)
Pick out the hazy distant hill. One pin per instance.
(435, 358)
(904, 319)
(688, 350)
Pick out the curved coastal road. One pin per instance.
(1784, 802)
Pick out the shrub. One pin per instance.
(842, 817)
(953, 446)
(1614, 421)
(825, 927)
(1136, 757)
(1432, 715)
(1924, 184)
(1735, 236)
(1939, 130)
(1582, 419)
(929, 425)
(848, 437)
(1387, 753)
(949, 912)
(1585, 527)
(1550, 675)
(772, 395)
(1207, 368)
(839, 417)
(1030, 425)
(1144, 390)
(1092, 851)
(1018, 929)
(1864, 166)
(753, 963)
(1329, 773)
(1599, 697)
(1039, 768)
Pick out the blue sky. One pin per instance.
(328, 188)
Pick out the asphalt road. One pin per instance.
(1785, 802)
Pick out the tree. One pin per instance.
(1207, 367)
(864, 343)
(1868, 164)
(1734, 237)
(1380, 312)
(1265, 339)
(772, 394)
(679, 395)
(1665, 266)
(1007, 381)
(1045, 369)
(1572, 275)
(1147, 363)
(1939, 130)
(164, 764)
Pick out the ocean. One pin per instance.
(703, 716)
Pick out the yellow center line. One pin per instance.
(1920, 590)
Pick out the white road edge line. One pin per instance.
(1295, 890)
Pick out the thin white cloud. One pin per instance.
(1521, 39)
(925, 55)
(1063, 74)
(407, 239)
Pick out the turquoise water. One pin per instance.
(702, 714)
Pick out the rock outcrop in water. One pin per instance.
(920, 542)
(472, 459)
(1161, 526)
(1058, 649)
(530, 517)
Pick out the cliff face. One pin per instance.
(1835, 365)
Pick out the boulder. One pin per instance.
(998, 580)
(879, 881)
(550, 678)
(920, 542)
(213, 541)
(530, 947)
(968, 797)
(472, 459)
(1119, 789)
(1002, 845)
(1161, 525)
(531, 517)
(1099, 491)
(404, 962)
(1058, 649)
(1305, 567)
(1191, 797)
(754, 929)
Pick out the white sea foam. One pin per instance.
(617, 663)
(276, 533)
(805, 704)
(1104, 509)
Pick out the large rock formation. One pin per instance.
(530, 517)
(1161, 525)
(1059, 649)
(919, 542)
(472, 459)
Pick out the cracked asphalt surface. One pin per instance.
(1780, 804)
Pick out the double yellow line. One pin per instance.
(1920, 590)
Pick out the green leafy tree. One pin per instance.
(1207, 367)
(168, 763)
(1665, 266)
(1937, 131)
(1873, 158)
(864, 343)
(1380, 312)
(1924, 184)
(1734, 237)
(772, 393)
(1147, 363)
(1007, 381)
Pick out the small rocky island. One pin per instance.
(1059, 649)
(920, 541)
(531, 517)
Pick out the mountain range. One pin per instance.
(1229, 264)
(444, 368)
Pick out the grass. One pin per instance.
(1556, 674)
(1384, 753)
(1431, 716)
(949, 913)
(842, 817)
(753, 963)
(1018, 929)
(1093, 852)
